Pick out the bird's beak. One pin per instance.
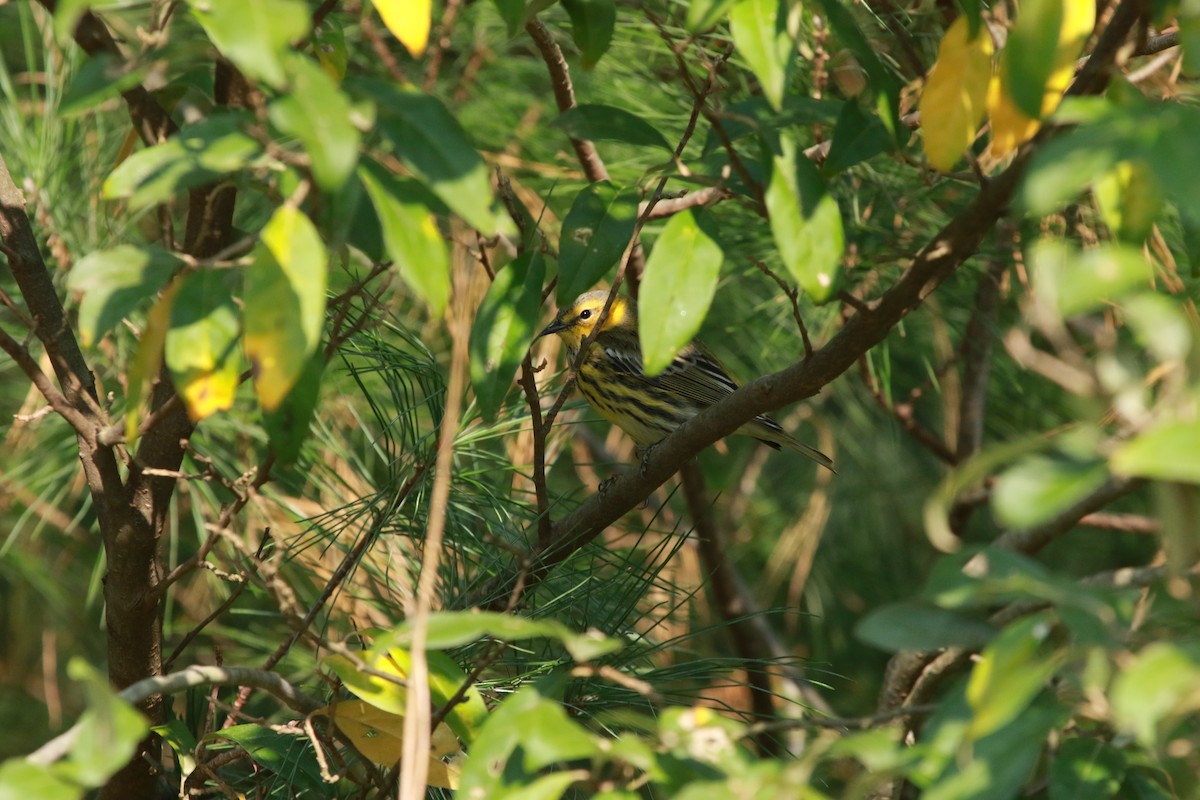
(553, 327)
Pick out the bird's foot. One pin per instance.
(645, 452)
(605, 484)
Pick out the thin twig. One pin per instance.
(414, 765)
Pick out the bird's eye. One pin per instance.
(585, 314)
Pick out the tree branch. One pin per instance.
(564, 96)
(180, 681)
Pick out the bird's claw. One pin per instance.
(645, 453)
(603, 488)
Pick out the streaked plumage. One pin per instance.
(649, 409)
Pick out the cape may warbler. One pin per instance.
(650, 408)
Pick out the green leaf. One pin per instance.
(1086, 768)
(196, 155)
(431, 143)
(181, 740)
(109, 731)
(318, 113)
(1031, 47)
(917, 626)
(592, 24)
(66, 17)
(287, 426)
(115, 282)
(202, 343)
(805, 222)
(856, 138)
(513, 14)
(1039, 487)
(410, 234)
(1143, 784)
(758, 31)
(1000, 764)
(448, 629)
(1156, 691)
(255, 36)
(1075, 283)
(884, 83)
(1164, 452)
(971, 8)
(679, 282)
(284, 299)
(279, 753)
(595, 233)
(101, 77)
(329, 46)
(704, 14)
(1008, 675)
(20, 780)
(600, 122)
(525, 723)
(505, 326)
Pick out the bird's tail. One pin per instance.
(776, 437)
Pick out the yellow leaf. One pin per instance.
(148, 359)
(205, 392)
(409, 21)
(201, 344)
(284, 298)
(1011, 127)
(955, 96)
(379, 736)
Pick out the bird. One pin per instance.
(649, 408)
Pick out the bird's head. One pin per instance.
(579, 319)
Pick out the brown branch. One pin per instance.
(1127, 523)
(905, 414)
(564, 96)
(541, 495)
(1031, 540)
(701, 198)
(752, 638)
(83, 425)
(978, 345)
(793, 294)
(181, 681)
(151, 121)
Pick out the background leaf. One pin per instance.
(599, 123)
(595, 233)
(412, 238)
(757, 28)
(504, 328)
(256, 35)
(115, 282)
(592, 24)
(284, 301)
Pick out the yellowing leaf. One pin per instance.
(285, 303)
(205, 392)
(1012, 127)
(409, 21)
(379, 736)
(955, 96)
(148, 359)
(201, 346)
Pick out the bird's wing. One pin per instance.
(694, 374)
